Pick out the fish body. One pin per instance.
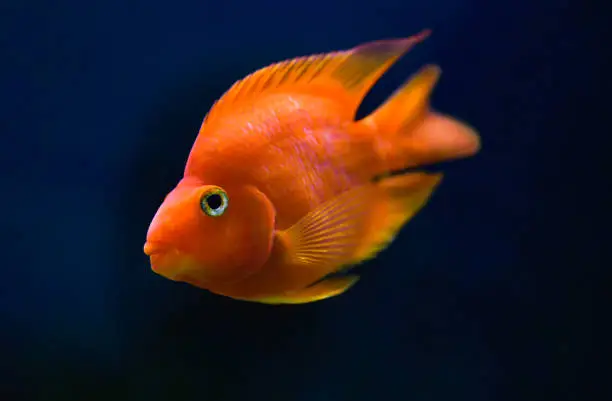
(283, 187)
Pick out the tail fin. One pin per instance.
(416, 134)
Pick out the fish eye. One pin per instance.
(214, 202)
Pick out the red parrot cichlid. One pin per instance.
(283, 187)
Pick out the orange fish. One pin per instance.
(283, 187)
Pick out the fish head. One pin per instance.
(207, 234)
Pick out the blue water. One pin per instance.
(484, 296)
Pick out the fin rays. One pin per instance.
(344, 76)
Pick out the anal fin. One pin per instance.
(404, 196)
(324, 289)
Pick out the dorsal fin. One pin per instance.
(344, 76)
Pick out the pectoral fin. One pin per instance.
(330, 236)
(346, 230)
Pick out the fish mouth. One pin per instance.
(166, 260)
(152, 247)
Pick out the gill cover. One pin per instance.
(234, 234)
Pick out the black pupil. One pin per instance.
(214, 201)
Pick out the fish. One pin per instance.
(284, 188)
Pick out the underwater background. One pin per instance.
(489, 293)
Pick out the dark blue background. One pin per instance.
(488, 294)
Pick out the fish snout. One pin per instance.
(151, 248)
